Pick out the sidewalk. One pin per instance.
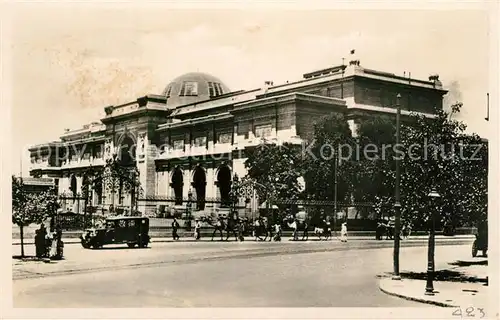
(460, 281)
(76, 240)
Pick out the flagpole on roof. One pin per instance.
(21, 166)
(342, 80)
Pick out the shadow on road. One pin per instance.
(120, 248)
(444, 275)
(34, 259)
(461, 263)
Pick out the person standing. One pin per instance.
(39, 243)
(305, 234)
(175, 227)
(277, 232)
(343, 232)
(197, 229)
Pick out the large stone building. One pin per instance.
(194, 135)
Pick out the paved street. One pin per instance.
(219, 274)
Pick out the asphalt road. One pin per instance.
(313, 274)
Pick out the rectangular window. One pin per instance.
(224, 137)
(211, 89)
(98, 152)
(169, 90)
(178, 144)
(189, 88)
(200, 141)
(218, 90)
(263, 131)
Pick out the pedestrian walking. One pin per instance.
(197, 229)
(305, 234)
(294, 226)
(269, 227)
(241, 229)
(256, 229)
(343, 232)
(175, 226)
(328, 229)
(219, 226)
(277, 232)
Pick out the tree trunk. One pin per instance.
(22, 240)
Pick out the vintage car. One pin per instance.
(481, 241)
(130, 230)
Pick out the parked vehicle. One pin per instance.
(130, 230)
(481, 241)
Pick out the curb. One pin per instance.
(354, 238)
(436, 303)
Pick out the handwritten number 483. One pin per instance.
(470, 312)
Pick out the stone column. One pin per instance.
(239, 167)
(187, 179)
(353, 126)
(210, 172)
(146, 155)
(210, 191)
(162, 183)
(64, 189)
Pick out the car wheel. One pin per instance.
(474, 249)
(131, 245)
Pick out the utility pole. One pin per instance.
(397, 204)
(335, 209)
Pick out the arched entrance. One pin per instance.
(177, 184)
(98, 190)
(128, 174)
(200, 184)
(224, 184)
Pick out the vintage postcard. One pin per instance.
(250, 160)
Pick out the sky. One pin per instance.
(68, 62)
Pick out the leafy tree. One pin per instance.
(278, 168)
(373, 178)
(31, 207)
(438, 155)
(332, 136)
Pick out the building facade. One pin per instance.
(192, 138)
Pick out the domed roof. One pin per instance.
(193, 87)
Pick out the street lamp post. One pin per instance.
(429, 288)
(397, 204)
(189, 202)
(335, 209)
(234, 199)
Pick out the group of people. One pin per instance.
(385, 227)
(261, 228)
(49, 244)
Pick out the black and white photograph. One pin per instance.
(221, 155)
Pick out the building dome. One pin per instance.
(193, 87)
